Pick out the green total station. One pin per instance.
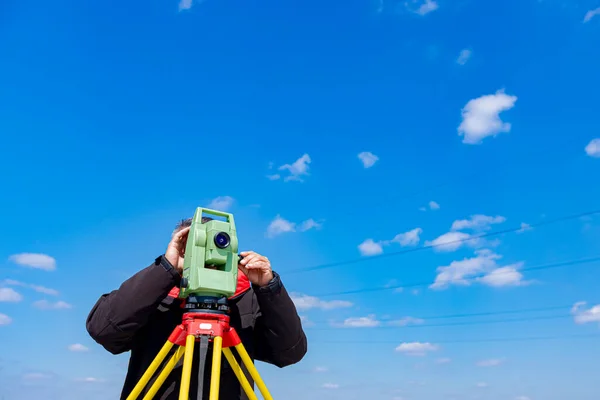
(210, 266)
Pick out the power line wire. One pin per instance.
(482, 313)
(424, 284)
(491, 340)
(547, 317)
(483, 235)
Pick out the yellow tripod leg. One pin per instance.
(237, 370)
(215, 375)
(184, 389)
(253, 371)
(135, 392)
(164, 373)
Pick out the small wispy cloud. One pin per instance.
(296, 170)
(221, 203)
(77, 347)
(305, 302)
(464, 56)
(593, 148)
(369, 247)
(5, 319)
(34, 260)
(492, 362)
(477, 222)
(422, 7)
(591, 14)
(524, 227)
(368, 159)
(361, 322)
(331, 386)
(481, 117)
(10, 295)
(582, 315)
(37, 288)
(90, 379)
(280, 225)
(416, 348)
(432, 205)
(47, 305)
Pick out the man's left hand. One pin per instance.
(256, 267)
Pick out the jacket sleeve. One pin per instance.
(118, 315)
(278, 334)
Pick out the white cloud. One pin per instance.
(593, 148)
(281, 225)
(524, 227)
(78, 347)
(320, 369)
(504, 276)
(443, 361)
(493, 362)
(425, 7)
(590, 14)
(221, 203)
(310, 224)
(477, 222)
(185, 4)
(331, 385)
(37, 288)
(410, 238)
(305, 302)
(46, 305)
(482, 268)
(451, 241)
(481, 117)
(90, 379)
(370, 248)
(416, 348)
(368, 159)
(407, 321)
(5, 319)
(31, 376)
(463, 57)
(296, 170)
(361, 322)
(583, 316)
(34, 260)
(432, 206)
(482, 385)
(522, 398)
(10, 295)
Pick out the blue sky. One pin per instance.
(336, 132)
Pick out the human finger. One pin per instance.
(249, 259)
(258, 265)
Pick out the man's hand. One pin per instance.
(176, 249)
(256, 267)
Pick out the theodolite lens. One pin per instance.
(222, 240)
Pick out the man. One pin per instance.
(141, 314)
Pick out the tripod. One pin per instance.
(207, 320)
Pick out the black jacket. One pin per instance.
(140, 316)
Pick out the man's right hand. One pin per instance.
(176, 249)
